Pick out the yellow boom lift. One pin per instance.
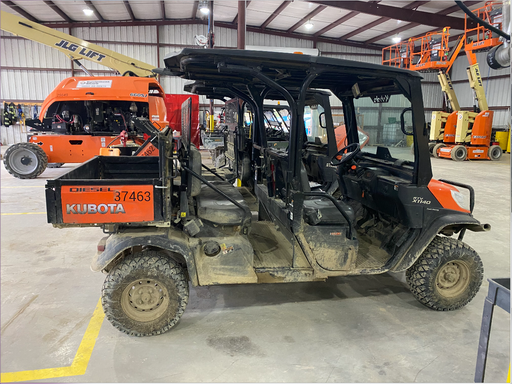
(74, 47)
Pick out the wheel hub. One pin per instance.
(145, 300)
(452, 278)
(23, 161)
(26, 160)
(146, 296)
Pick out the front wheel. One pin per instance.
(447, 275)
(459, 153)
(25, 160)
(145, 294)
(495, 152)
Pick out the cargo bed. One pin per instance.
(108, 190)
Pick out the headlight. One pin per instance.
(459, 198)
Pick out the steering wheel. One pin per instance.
(346, 156)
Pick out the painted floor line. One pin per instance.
(24, 213)
(80, 362)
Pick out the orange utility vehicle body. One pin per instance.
(96, 100)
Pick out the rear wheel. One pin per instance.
(447, 275)
(431, 146)
(145, 294)
(459, 153)
(437, 147)
(25, 160)
(494, 152)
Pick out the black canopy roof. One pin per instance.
(289, 70)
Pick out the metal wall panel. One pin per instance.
(26, 53)
(182, 34)
(138, 34)
(29, 85)
(328, 47)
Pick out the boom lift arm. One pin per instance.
(74, 47)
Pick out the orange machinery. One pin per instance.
(83, 115)
(433, 55)
(473, 132)
(455, 134)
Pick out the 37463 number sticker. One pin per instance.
(107, 204)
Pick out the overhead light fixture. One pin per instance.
(88, 12)
(309, 25)
(396, 39)
(203, 7)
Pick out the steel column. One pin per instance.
(241, 24)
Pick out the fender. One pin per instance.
(460, 221)
(163, 238)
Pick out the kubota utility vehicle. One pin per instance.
(169, 223)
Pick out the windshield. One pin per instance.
(314, 131)
(382, 125)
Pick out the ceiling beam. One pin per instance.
(393, 32)
(194, 9)
(445, 11)
(255, 29)
(58, 11)
(129, 9)
(275, 14)
(426, 18)
(235, 20)
(162, 8)
(348, 16)
(20, 10)
(309, 16)
(96, 12)
(456, 8)
(379, 21)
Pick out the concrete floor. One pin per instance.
(356, 329)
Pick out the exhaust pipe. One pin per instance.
(499, 57)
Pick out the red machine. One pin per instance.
(173, 104)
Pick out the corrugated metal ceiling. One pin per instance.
(258, 11)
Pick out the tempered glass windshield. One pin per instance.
(314, 131)
(382, 125)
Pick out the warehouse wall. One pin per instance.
(43, 67)
(31, 70)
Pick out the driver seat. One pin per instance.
(321, 211)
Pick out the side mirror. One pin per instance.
(322, 121)
(407, 111)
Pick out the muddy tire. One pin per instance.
(145, 294)
(495, 152)
(55, 165)
(436, 149)
(447, 275)
(25, 160)
(459, 153)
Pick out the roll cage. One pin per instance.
(256, 76)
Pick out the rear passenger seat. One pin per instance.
(215, 208)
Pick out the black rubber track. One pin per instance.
(139, 266)
(421, 277)
(38, 152)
